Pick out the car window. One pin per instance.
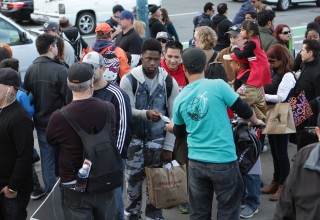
(8, 33)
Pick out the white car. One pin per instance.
(21, 42)
(83, 14)
(283, 5)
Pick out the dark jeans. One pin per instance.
(206, 178)
(14, 209)
(279, 151)
(252, 190)
(84, 206)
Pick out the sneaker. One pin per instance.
(243, 205)
(247, 212)
(184, 208)
(131, 216)
(37, 194)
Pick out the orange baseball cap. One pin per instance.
(104, 28)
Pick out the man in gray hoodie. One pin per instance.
(151, 91)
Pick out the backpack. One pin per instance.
(112, 63)
(106, 169)
(248, 147)
(215, 70)
(72, 35)
(168, 80)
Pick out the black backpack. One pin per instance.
(248, 147)
(72, 35)
(215, 70)
(106, 169)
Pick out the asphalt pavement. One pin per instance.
(266, 209)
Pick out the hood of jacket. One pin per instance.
(99, 45)
(137, 72)
(217, 19)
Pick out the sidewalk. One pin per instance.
(266, 209)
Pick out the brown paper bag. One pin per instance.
(167, 187)
(279, 120)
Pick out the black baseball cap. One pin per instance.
(80, 72)
(194, 59)
(50, 26)
(154, 8)
(10, 77)
(117, 8)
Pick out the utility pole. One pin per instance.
(142, 15)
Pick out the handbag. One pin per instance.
(301, 108)
(167, 187)
(279, 120)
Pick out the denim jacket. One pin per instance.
(145, 99)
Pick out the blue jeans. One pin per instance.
(84, 206)
(206, 178)
(47, 154)
(252, 190)
(14, 209)
(118, 198)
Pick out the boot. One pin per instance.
(276, 196)
(272, 188)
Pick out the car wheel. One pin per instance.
(86, 23)
(283, 5)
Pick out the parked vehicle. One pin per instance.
(283, 5)
(21, 42)
(83, 14)
(18, 10)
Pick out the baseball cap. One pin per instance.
(125, 14)
(93, 58)
(162, 35)
(117, 8)
(153, 9)
(103, 27)
(50, 26)
(194, 58)
(80, 72)
(10, 77)
(235, 58)
(234, 30)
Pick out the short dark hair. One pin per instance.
(43, 43)
(117, 8)
(253, 14)
(174, 44)
(151, 44)
(313, 25)
(265, 16)
(208, 6)
(222, 8)
(10, 62)
(312, 45)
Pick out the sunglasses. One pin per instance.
(286, 32)
(162, 40)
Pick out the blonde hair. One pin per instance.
(207, 37)
(139, 27)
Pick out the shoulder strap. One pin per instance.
(71, 121)
(213, 57)
(134, 84)
(169, 85)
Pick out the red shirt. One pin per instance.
(177, 74)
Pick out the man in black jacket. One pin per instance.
(16, 138)
(46, 79)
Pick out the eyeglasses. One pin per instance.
(164, 41)
(286, 32)
(272, 60)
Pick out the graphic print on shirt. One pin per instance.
(197, 107)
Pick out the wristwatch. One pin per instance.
(12, 191)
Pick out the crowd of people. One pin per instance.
(124, 83)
